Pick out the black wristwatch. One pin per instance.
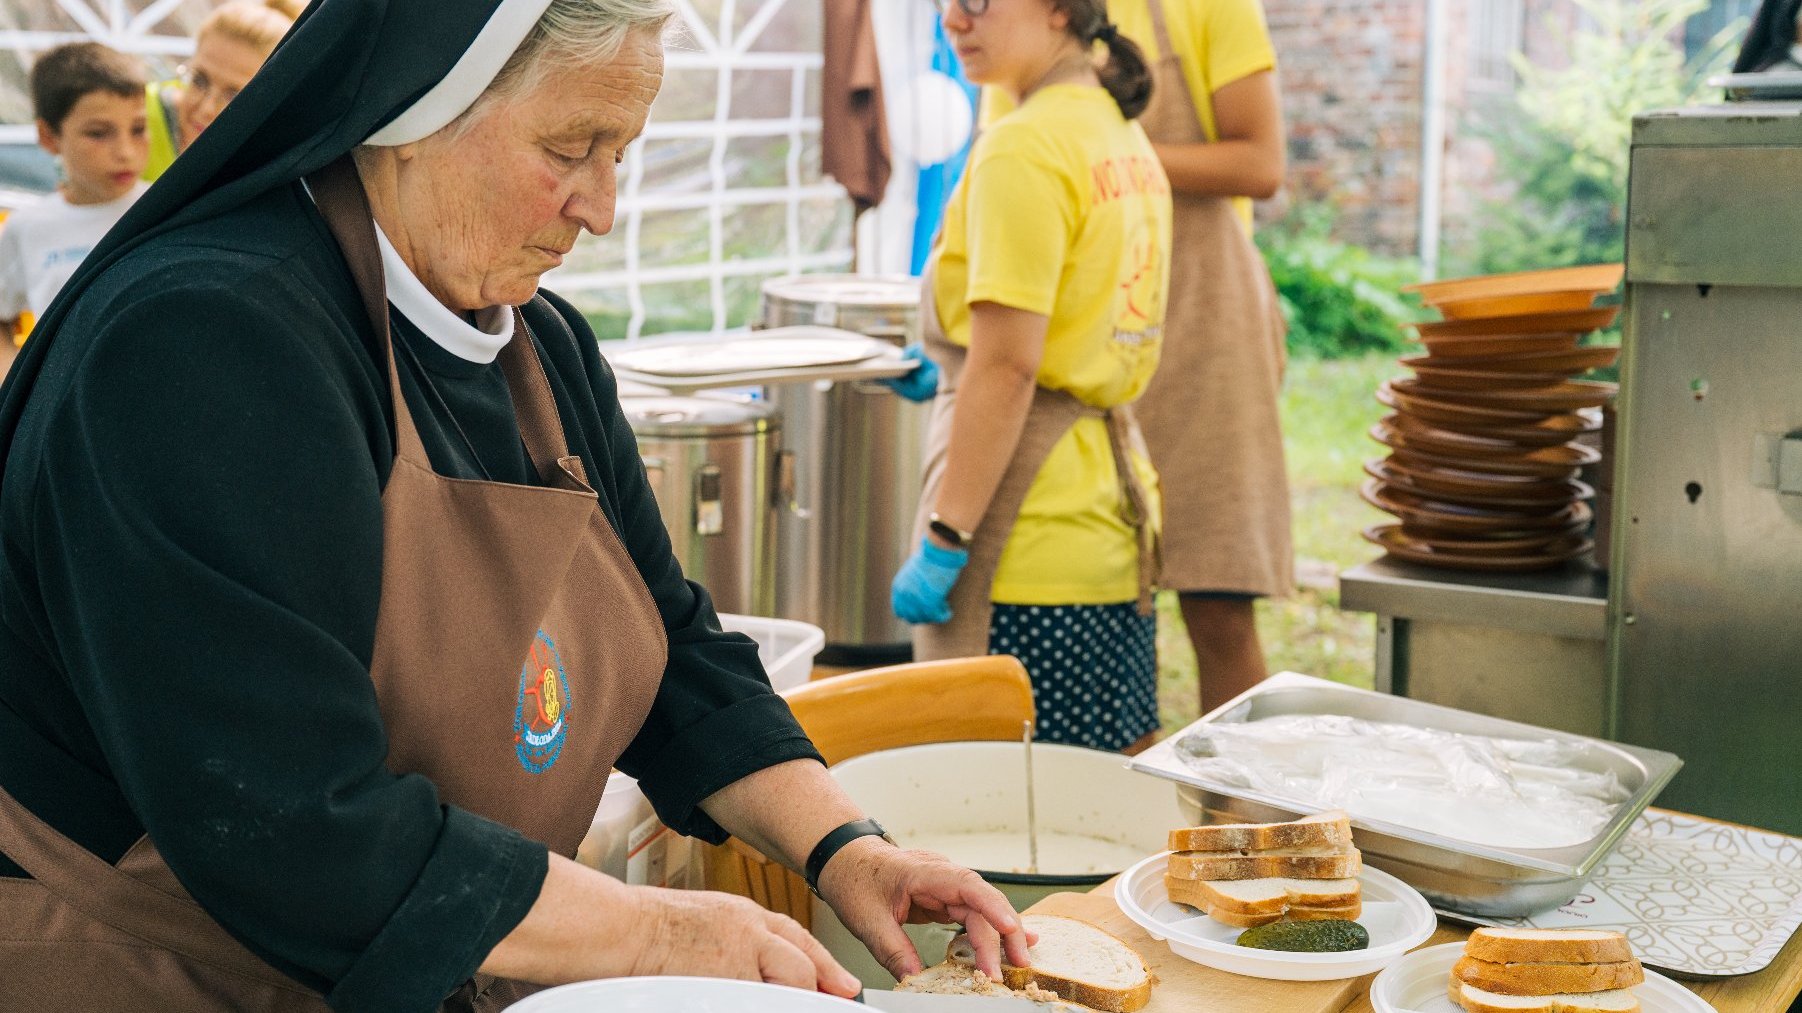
(958, 537)
(833, 842)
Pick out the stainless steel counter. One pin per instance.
(1526, 647)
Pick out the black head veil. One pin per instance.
(346, 69)
(1773, 33)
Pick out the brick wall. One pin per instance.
(1353, 87)
(1351, 78)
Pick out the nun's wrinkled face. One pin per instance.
(485, 211)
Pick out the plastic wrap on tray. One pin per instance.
(1503, 793)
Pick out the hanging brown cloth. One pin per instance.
(853, 125)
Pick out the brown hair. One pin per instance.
(259, 23)
(1125, 74)
(63, 75)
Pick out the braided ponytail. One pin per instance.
(1125, 75)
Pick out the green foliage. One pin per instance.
(1339, 299)
(1568, 154)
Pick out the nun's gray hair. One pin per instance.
(571, 33)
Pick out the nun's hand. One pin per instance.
(717, 935)
(876, 888)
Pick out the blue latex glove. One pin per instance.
(919, 591)
(920, 384)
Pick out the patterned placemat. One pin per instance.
(1696, 899)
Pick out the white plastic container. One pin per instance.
(785, 646)
(623, 808)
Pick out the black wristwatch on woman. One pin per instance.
(831, 844)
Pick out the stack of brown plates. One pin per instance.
(1482, 471)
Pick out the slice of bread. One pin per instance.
(1276, 894)
(1294, 863)
(1328, 830)
(1476, 1000)
(1249, 903)
(952, 978)
(1075, 961)
(1548, 946)
(1548, 978)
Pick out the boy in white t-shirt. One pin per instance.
(89, 104)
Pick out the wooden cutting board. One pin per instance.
(1187, 987)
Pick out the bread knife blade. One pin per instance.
(920, 1002)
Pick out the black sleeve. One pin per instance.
(207, 533)
(715, 719)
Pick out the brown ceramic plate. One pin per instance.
(1478, 379)
(1517, 305)
(1589, 277)
(1483, 345)
(1417, 433)
(1489, 467)
(1570, 322)
(1422, 513)
(1563, 396)
(1393, 542)
(1572, 360)
(1511, 545)
(1442, 411)
(1456, 486)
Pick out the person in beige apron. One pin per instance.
(333, 587)
(1042, 308)
(1210, 415)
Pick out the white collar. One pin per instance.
(478, 342)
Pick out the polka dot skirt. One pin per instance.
(1094, 669)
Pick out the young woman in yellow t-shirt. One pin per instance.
(1045, 313)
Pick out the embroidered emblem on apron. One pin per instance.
(541, 718)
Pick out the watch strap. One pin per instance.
(958, 537)
(833, 842)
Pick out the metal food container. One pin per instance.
(1456, 876)
(711, 465)
(858, 449)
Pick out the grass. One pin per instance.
(1328, 405)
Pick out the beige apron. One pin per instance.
(517, 652)
(1210, 414)
(1052, 414)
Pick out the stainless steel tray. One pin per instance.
(1455, 875)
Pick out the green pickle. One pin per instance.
(1329, 936)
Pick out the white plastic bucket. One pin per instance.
(785, 646)
(932, 793)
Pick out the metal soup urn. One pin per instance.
(857, 450)
(710, 462)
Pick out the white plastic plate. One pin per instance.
(1397, 918)
(679, 995)
(1417, 984)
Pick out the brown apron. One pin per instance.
(1210, 414)
(1052, 414)
(517, 651)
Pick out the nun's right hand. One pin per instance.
(718, 935)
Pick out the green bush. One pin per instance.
(1340, 300)
(1566, 154)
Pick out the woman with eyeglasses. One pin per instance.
(230, 47)
(1044, 310)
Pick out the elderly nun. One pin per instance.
(332, 586)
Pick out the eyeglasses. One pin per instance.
(202, 85)
(973, 8)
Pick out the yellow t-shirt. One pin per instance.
(162, 131)
(1064, 211)
(1217, 41)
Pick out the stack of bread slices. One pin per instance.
(1546, 971)
(1251, 874)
